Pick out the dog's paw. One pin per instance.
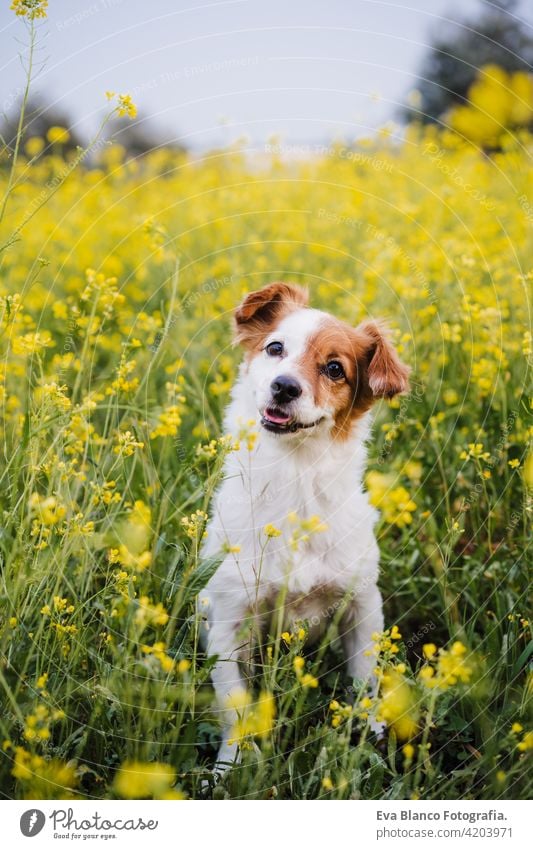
(228, 755)
(213, 787)
(206, 785)
(378, 728)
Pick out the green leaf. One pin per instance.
(198, 578)
(522, 660)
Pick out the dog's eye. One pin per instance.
(334, 370)
(274, 349)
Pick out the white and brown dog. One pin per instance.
(310, 380)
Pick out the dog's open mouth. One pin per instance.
(278, 421)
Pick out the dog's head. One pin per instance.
(308, 370)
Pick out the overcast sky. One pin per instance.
(207, 73)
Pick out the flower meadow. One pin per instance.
(118, 278)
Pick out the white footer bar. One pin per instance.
(267, 824)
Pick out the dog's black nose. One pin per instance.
(285, 389)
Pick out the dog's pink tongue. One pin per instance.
(276, 418)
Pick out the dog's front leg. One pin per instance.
(229, 687)
(363, 617)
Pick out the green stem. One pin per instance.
(20, 126)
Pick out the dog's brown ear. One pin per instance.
(265, 307)
(387, 375)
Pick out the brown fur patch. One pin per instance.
(317, 606)
(371, 366)
(387, 375)
(262, 310)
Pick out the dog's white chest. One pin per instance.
(296, 520)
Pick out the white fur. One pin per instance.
(306, 472)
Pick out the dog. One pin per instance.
(309, 380)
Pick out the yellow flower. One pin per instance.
(426, 675)
(37, 724)
(32, 343)
(305, 679)
(238, 700)
(141, 780)
(298, 664)
(54, 393)
(126, 444)
(497, 102)
(61, 605)
(123, 383)
(394, 501)
(526, 743)
(409, 751)
(126, 106)
(314, 525)
(158, 651)
(34, 146)
(475, 452)
(304, 528)
(150, 614)
(397, 705)
(451, 667)
(271, 531)
(327, 783)
(134, 535)
(231, 549)
(168, 422)
(44, 778)
(48, 509)
(458, 649)
(450, 397)
(31, 9)
(58, 135)
(254, 719)
(194, 524)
